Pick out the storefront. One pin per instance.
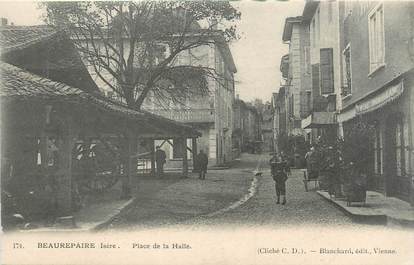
(389, 112)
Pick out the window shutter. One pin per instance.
(315, 81)
(304, 104)
(326, 68)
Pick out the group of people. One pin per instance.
(200, 163)
(325, 162)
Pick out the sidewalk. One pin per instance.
(378, 209)
(99, 209)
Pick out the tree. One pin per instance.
(133, 46)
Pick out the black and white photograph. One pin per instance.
(207, 132)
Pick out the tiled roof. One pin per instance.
(19, 37)
(18, 82)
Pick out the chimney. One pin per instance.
(4, 21)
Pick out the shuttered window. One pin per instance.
(305, 103)
(315, 81)
(378, 154)
(326, 69)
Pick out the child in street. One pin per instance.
(279, 171)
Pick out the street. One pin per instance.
(192, 202)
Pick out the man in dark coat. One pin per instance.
(279, 170)
(160, 159)
(202, 161)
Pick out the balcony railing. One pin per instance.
(187, 115)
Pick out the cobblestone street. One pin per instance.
(191, 202)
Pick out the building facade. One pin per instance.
(361, 61)
(378, 62)
(212, 113)
(296, 72)
(323, 21)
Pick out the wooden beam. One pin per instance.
(153, 173)
(185, 160)
(163, 143)
(64, 171)
(132, 144)
(194, 154)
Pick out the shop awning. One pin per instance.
(386, 96)
(318, 120)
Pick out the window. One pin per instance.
(306, 57)
(347, 88)
(228, 116)
(313, 33)
(407, 169)
(376, 38)
(378, 155)
(399, 149)
(315, 79)
(330, 10)
(308, 100)
(326, 71)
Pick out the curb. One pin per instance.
(251, 192)
(380, 219)
(111, 217)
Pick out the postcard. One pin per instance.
(207, 132)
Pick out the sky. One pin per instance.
(257, 54)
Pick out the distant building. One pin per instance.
(280, 115)
(247, 126)
(267, 128)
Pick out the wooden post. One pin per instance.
(185, 160)
(64, 171)
(151, 145)
(194, 153)
(131, 167)
(43, 138)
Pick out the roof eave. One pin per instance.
(287, 29)
(309, 10)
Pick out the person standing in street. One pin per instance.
(202, 161)
(311, 164)
(160, 159)
(279, 170)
